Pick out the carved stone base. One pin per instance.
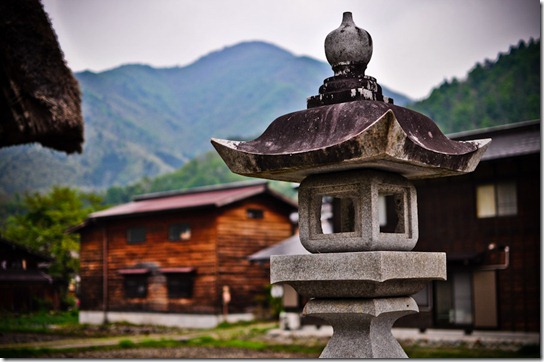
(362, 327)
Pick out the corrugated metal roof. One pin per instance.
(134, 271)
(179, 270)
(215, 196)
(513, 145)
(28, 276)
(510, 140)
(290, 246)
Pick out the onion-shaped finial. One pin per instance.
(348, 48)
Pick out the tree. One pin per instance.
(41, 224)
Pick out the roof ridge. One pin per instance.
(199, 189)
(502, 127)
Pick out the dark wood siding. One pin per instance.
(91, 269)
(448, 222)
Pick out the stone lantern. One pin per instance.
(353, 147)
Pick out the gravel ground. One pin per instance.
(181, 352)
(13, 337)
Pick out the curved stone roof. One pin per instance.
(349, 135)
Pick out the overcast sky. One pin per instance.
(417, 43)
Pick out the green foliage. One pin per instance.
(39, 322)
(494, 93)
(126, 343)
(41, 221)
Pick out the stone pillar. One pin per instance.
(362, 327)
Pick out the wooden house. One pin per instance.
(488, 223)
(24, 285)
(176, 258)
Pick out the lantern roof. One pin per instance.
(350, 125)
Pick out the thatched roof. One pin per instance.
(40, 100)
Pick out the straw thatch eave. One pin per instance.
(40, 100)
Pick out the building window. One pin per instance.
(178, 232)
(255, 213)
(499, 199)
(136, 235)
(424, 298)
(454, 300)
(180, 285)
(135, 286)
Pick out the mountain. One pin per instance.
(494, 93)
(143, 121)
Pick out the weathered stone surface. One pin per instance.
(352, 135)
(362, 188)
(368, 274)
(348, 48)
(362, 327)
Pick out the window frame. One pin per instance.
(497, 199)
(132, 239)
(133, 292)
(180, 290)
(254, 213)
(180, 236)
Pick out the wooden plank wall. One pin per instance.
(198, 252)
(218, 250)
(239, 237)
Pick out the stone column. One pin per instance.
(362, 327)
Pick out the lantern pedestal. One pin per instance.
(362, 327)
(361, 294)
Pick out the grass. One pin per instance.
(207, 341)
(243, 335)
(39, 322)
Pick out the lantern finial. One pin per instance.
(348, 48)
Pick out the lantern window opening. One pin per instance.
(393, 210)
(337, 211)
(391, 213)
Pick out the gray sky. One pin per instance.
(417, 43)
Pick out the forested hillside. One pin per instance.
(143, 122)
(494, 93)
